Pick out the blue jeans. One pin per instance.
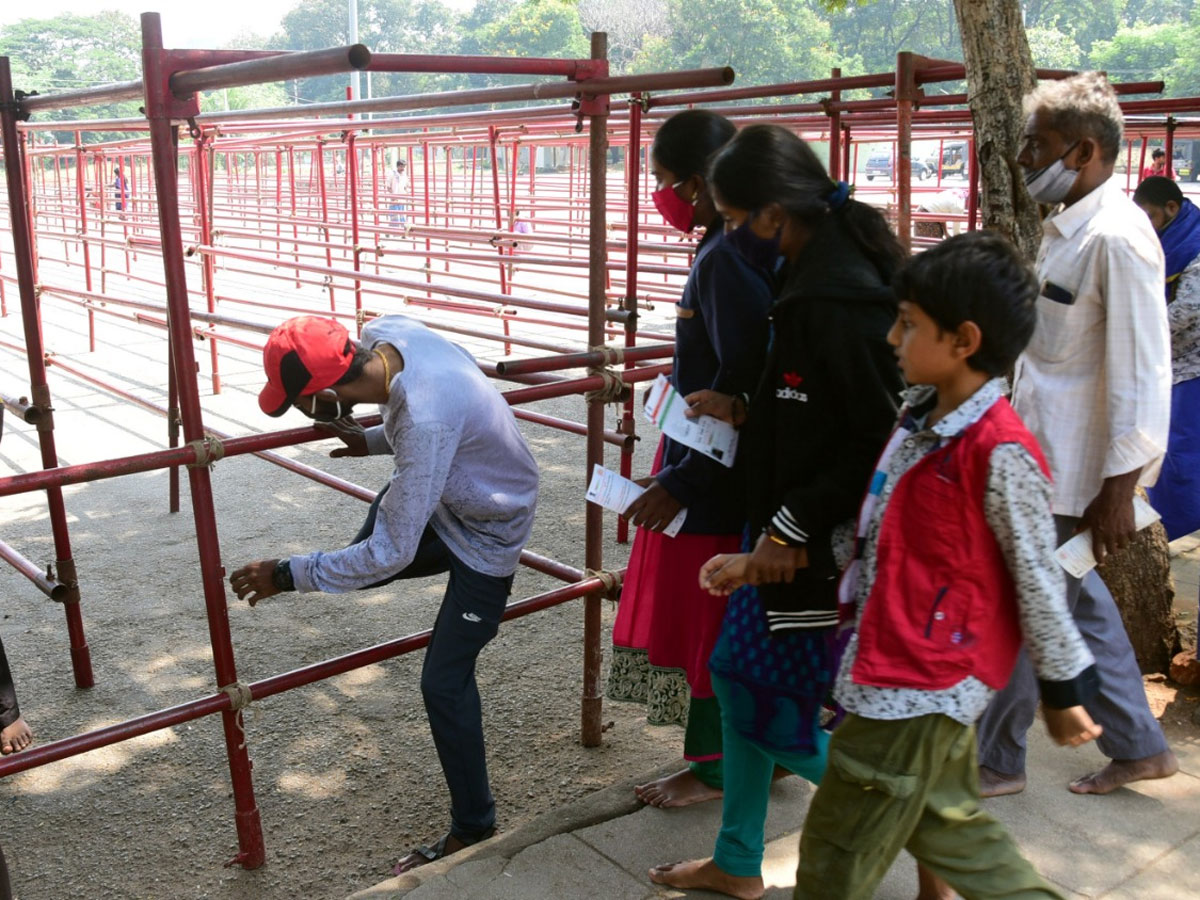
(469, 617)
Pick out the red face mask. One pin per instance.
(676, 211)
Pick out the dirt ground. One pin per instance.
(345, 773)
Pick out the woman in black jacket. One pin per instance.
(812, 432)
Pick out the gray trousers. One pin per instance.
(1130, 729)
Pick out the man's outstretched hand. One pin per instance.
(351, 434)
(253, 582)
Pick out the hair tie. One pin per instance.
(839, 195)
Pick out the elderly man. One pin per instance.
(1094, 388)
(460, 499)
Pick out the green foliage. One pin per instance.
(250, 96)
(876, 31)
(1183, 77)
(1051, 49)
(1141, 53)
(764, 40)
(386, 26)
(542, 28)
(71, 52)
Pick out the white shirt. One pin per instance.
(397, 182)
(1094, 384)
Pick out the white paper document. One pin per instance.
(712, 437)
(1076, 554)
(610, 490)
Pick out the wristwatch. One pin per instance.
(282, 576)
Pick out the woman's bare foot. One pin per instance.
(998, 784)
(681, 789)
(16, 737)
(1120, 772)
(705, 875)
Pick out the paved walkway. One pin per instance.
(1139, 843)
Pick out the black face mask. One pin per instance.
(323, 410)
(763, 253)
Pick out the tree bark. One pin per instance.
(1000, 73)
(1139, 578)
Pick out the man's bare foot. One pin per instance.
(997, 784)
(930, 887)
(1120, 772)
(16, 737)
(447, 845)
(705, 875)
(681, 789)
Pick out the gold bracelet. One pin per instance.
(778, 540)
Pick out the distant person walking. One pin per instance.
(398, 190)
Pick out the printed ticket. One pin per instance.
(612, 491)
(712, 437)
(1076, 554)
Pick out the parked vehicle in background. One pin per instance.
(953, 161)
(880, 163)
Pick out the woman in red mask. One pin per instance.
(666, 626)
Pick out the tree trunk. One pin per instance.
(1140, 580)
(1000, 73)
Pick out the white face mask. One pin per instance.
(320, 415)
(1050, 184)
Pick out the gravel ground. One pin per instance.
(345, 772)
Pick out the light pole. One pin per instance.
(355, 93)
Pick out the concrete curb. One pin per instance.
(607, 803)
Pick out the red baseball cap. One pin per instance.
(302, 356)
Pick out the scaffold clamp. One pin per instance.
(610, 580)
(208, 450)
(614, 390)
(240, 697)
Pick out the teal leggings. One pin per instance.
(749, 767)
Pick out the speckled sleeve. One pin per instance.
(1017, 505)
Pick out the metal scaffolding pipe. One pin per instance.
(21, 406)
(105, 93)
(271, 68)
(508, 94)
(260, 690)
(21, 223)
(48, 585)
(574, 69)
(582, 359)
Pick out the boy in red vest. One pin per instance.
(954, 570)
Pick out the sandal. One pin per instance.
(422, 855)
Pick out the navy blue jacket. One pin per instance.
(720, 343)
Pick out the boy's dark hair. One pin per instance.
(1158, 153)
(685, 141)
(977, 277)
(769, 164)
(1158, 190)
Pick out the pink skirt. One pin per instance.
(663, 609)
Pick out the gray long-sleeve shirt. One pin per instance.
(462, 467)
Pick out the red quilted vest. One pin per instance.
(943, 604)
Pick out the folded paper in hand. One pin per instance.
(712, 437)
(614, 492)
(1076, 554)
